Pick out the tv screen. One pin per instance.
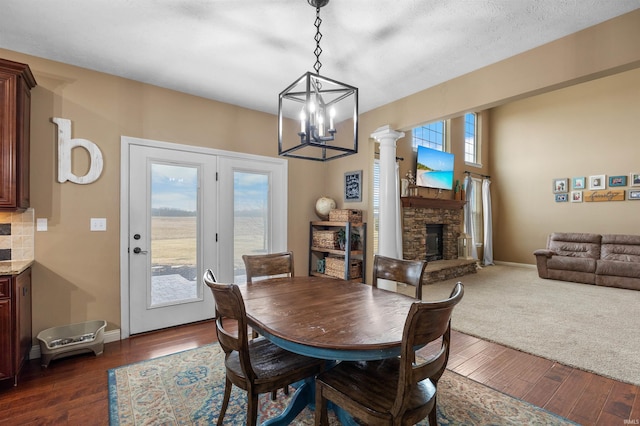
(434, 169)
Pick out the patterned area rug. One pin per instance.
(187, 389)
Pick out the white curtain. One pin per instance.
(488, 227)
(468, 219)
(398, 206)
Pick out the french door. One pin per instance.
(172, 210)
(185, 209)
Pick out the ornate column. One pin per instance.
(389, 197)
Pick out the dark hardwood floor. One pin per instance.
(74, 390)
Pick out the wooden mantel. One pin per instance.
(432, 203)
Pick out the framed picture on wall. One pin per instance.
(577, 183)
(597, 182)
(560, 185)
(562, 198)
(635, 179)
(634, 194)
(353, 186)
(617, 181)
(576, 196)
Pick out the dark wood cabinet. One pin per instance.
(15, 324)
(16, 82)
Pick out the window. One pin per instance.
(431, 135)
(470, 138)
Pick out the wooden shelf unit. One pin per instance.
(318, 253)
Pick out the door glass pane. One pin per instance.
(174, 235)
(251, 218)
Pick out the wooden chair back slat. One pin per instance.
(410, 272)
(268, 265)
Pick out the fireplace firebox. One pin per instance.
(434, 242)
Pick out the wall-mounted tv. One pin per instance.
(434, 169)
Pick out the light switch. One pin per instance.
(98, 224)
(41, 224)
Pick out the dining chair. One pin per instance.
(257, 365)
(410, 272)
(268, 265)
(394, 391)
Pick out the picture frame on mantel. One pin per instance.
(353, 186)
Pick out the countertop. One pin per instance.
(14, 267)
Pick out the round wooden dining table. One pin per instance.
(326, 318)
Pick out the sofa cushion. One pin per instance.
(580, 245)
(618, 269)
(568, 263)
(624, 248)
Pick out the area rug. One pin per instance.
(187, 389)
(589, 327)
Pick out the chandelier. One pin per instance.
(318, 116)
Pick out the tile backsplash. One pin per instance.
(17, 235)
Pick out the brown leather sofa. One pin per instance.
(608, 260)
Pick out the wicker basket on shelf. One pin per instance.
(334, 266)
(325, 239)
(345, 215)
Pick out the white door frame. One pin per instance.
(125, 142)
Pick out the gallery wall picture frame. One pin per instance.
(560, 185)
(576, 196)
(634, 179)
(353, 186)
(577, 183)
(634, 194)
(562, 198)
(617, 181)
(597, 182)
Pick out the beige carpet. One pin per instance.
(585, 326)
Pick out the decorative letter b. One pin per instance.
(66, 145)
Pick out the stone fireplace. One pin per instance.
(419, 212)
(418, 215)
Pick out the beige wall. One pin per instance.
(587, 129)
(76, 274)
(604, 50)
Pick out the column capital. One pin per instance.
(386, 133)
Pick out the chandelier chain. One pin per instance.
(317, 38)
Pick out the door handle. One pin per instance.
(138, 250)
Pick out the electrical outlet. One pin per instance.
(98, 224)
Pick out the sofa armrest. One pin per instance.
(541, 261)
(544, 252)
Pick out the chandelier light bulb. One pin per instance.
(332, 114)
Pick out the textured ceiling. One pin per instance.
(245, 52)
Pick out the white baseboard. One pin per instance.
(109, 336)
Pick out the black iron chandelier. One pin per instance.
(318, 116)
